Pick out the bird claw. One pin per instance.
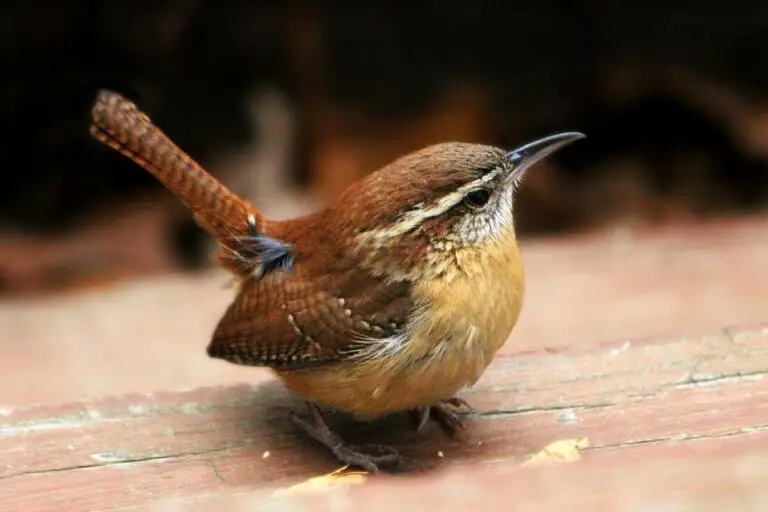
(445, 414)
(351, 455)
(459, 403)
(360, 455)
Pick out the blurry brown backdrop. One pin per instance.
(289, 102)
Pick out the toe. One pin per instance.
(459, 403)
(449, 422)
(353, 456)
(424, 414)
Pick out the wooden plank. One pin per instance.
(733, 480)
(640, 399)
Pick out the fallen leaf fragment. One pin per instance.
(340, 477)
(565, 450)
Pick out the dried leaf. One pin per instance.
(565, 450)
(323, 482)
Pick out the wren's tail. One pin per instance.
(118, 123)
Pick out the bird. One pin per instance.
(391, 299)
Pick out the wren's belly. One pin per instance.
(375, 395)
(374, 389)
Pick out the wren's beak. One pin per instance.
(525, 156)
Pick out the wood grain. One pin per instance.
(642, 400)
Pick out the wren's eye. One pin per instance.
(478, 198)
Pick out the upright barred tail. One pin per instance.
(118, 123)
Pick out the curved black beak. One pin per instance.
(525, 156)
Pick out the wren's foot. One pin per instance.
(445, 415)
(348, 454)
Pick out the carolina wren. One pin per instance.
(391, 299)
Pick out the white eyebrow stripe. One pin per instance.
(414, 218)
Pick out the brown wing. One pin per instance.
(306, 318)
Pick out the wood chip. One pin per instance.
(559, 452)
(340, 477)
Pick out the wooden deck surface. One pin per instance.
(680, 419)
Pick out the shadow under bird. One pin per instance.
(392, 299)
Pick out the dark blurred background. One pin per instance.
(288, 102)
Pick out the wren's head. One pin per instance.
(443, 197)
